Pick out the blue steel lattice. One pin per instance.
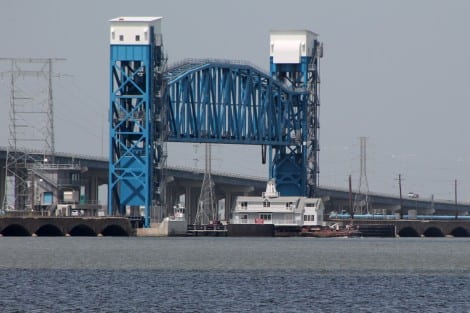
(208, 101)
(131, 118)
(296, 167)
(215, 102)
(227, 102)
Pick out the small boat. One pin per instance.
(175, 225)
(330, 232)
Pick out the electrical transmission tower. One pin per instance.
(31, 127)
(206, 208)
(361, 199)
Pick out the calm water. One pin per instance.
(102, 274)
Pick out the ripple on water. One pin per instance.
(234, 275)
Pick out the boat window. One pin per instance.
(244, 204)
(289, 205)
(266, 217)
(309, 218)
(266, 204)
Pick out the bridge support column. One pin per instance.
(191, 199)
(2, 183)
(172, 196)
(170, 201)
(228, 205)
(20, 190)
(91, 190)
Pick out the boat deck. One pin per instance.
(207, 230)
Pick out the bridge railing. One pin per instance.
(59, 154)
(385, 195)
(199, 61)
(21, 213)
(218, 173)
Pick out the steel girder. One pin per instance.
(232, 103)
(224, 102)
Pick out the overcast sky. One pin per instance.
(393, 71)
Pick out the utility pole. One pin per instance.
(455, 198)
(401, 198)
(361, 200)
(351, 210)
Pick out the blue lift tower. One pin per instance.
(136, 52)
(294, 61)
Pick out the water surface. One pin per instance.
(206, 274)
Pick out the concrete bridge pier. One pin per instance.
(20, 189)
(91, 190)
(2, 182)
(229, 200)
(171, 197)
(192, 201)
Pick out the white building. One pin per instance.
(271, 208)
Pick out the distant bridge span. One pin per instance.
(228, 185)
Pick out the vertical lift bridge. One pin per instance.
(208, 101)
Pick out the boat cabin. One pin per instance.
(272, 208)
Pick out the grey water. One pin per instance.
(211, 274)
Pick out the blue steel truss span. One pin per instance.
(230, 102)
(220, 101)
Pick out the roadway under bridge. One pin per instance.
(187, 182)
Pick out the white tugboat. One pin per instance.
(175, 224)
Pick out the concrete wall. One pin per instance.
(421, 228)
(64, 226)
